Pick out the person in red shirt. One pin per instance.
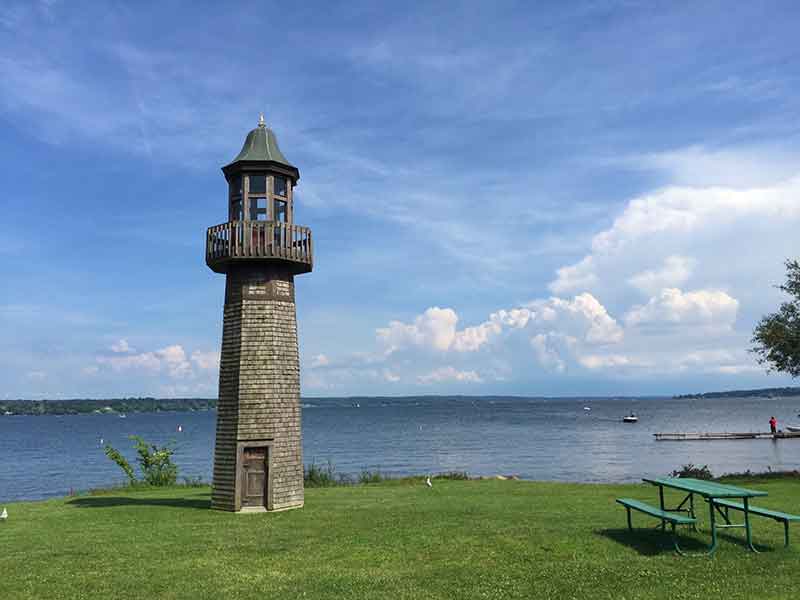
(773, 424)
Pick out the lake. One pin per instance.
(534, 438)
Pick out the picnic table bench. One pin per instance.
(714, 493)
(775, 515)
(665, 516)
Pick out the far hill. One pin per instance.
(112, 405)
(760, 393)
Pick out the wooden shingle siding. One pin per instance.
(259, 390)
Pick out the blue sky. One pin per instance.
(512, 198)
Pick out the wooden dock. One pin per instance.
(699, 436)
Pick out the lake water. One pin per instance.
(552, 439)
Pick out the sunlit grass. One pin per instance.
(393, 539)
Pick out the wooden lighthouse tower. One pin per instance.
(258, 461)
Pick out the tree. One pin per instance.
(776, 338)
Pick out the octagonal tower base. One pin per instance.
(258, 456)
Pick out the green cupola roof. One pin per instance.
(261, 145)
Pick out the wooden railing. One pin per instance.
(259, 239)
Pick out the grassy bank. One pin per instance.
(460, 539)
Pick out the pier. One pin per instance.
(698, 436)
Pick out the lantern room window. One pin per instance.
(280, 211)
(258, 209)
(236, 185)
(236, 209)
(280, 186)
(258, 184)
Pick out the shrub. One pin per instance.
(768, 474)
(693, 471)
(155, 463)
(314, 476)
(121, 461)
(194, 481)
(370, 477)
(453, 475)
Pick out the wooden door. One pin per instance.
(254, 477)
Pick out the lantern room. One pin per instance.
(260, 179)
(260, 208)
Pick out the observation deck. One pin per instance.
(274, 241)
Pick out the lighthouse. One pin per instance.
(258, 455)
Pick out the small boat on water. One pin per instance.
(793, 428)
(631, 418)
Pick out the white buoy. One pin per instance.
(180, 429)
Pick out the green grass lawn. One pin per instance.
(460, 539)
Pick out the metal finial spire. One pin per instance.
(261, 120)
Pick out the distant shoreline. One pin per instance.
(118, 406)
(123, 406)
(781, 392)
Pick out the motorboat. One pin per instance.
(793, 428)
(631, 418)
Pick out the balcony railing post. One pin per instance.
(259, 239)
(271, 235)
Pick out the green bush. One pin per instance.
(155, 463)
(315, 476)
(763, 475)
(694, 472)
(453, 475)
(122, 462)
(371, 477)
(194, 481)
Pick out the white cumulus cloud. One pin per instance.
(663, 238)
(701, 307)
(170, 360)
(595, 361)
(449, 373)
(673, 286)
(434, 328)
(674, 272)
(206, 361)
(121, 347)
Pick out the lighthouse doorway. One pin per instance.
(254, 477)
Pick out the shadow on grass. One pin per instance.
(651, 542)
(112, 501)
(732, 538)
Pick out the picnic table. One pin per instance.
(711, 491)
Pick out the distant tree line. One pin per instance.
(761, 393)
(113, 405)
